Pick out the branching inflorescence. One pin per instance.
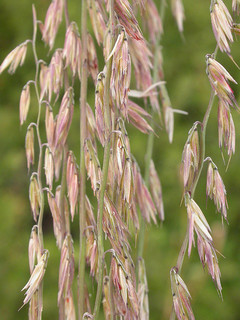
(126, 200)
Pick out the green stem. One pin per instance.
(39, 169)
(82, 211)
(107, 147)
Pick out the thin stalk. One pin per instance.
(107, 147)
(82, 211)
(39, 169)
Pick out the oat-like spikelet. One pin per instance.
(29, 146)
(181, 296)
(72, 50)
(15, 58)
(142, 291)
(55, 211)
(219, 79)
(49, 167)
(152, 20)
(135, 117)
(72, 183)
(222, 25)
(52, 21)
(156, 190)
(66, 269)
(24, 103)
(96, 14)
(196, 222)
(92, 165)
(191, 157)
(34, 195)
(215, 189)
(127, 19)
(36, 277)
(99, 107)
(178, 13)
(34, 251)
(55, 73)
(226, 128)
(143, 196)
(64, 119)
(50, 124)
(121, 72)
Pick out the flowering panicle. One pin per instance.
(15, 58)
(226, 128)
(72, 50)
(178, 13)
(181, 296)
(127, 19)
(222, 25)
(215, 189)
(52, 21)
(219, 78)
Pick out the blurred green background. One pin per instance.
(189, 89)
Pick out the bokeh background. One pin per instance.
(189, 90)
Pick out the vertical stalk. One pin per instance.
(82, 213)
(39, 168)
(107, 147)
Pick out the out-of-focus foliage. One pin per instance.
(189, 89)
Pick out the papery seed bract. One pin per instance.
(29, 146)
(55, 211)
(49, 167)
(92, 58)
(34, 196)
(178, 13)
(34, 251)
(52, 21)
(36, 277)
(24, 103)
(15, 58)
